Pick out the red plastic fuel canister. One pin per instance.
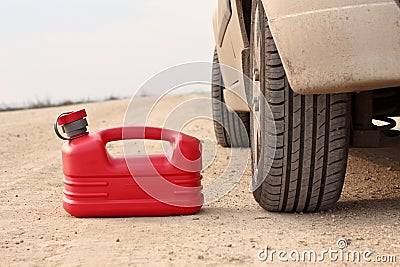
(98, 184)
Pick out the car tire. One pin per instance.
(231, 128)
(307, 153)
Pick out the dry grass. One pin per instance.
(45, 103)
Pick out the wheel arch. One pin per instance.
(330, 47)
(244, 14)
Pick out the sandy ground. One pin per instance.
(36, 231)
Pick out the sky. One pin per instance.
(79, 49)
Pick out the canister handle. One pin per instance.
(137, 133)
(186, 153)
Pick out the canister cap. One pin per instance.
(71, 117)
(73, 124)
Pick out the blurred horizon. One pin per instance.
(94, 49)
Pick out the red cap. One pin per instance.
(71, 117)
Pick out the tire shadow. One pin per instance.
(372, 183)
(366, 207)
(388, 157)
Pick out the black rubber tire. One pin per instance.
(236, 125)
(312, 139)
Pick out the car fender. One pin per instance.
(331, 46)
(230, 43)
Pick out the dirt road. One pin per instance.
(36, 231)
